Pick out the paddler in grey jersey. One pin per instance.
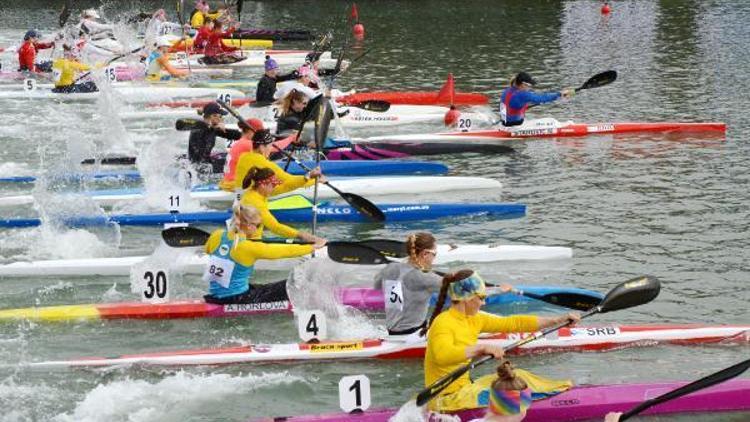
(408, 286)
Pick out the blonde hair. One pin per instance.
(240, 214)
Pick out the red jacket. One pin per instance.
(214, 46)
(201, 39)
(27, 54)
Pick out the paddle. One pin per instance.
(181, 18)
(705, 382)
(64, 14)
(110, 61)
(357, 202)
(634, 292)
(372, 105)
(377, 251)
(189, 124)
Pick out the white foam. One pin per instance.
(11, 169)
(174, 398)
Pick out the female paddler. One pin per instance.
(262, 178)
(232, 257)
(516, 98)
(452, 341)
(158, 67)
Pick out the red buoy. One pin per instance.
(606, 9)
(358, 31)
(451, 117)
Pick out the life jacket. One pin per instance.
(225, 276)
(153, 67)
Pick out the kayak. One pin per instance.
(251, 58)
(594, 338)
(394, 213)
(588, 402)
(138, 72)
(366, 299)
(273, 34)
(131, 94)
(551, 128)
(195, 263)
(247, 43)
(415, 98)
(333, 168)
(364, 186)
(174, 83)
(379, 151)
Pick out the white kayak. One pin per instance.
(195, 262)
(131, 94)
(363, 186)
(254, 58)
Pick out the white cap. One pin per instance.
(91, 13)
(163, 42)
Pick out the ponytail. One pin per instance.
(416, 243)
(255, 175)
(507, 379)
(447, 280)
(240, 213)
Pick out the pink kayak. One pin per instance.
(589, 402)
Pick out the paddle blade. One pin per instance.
(373, 105)
(354, 253)
(322, 123)
(188, 124)
(577, 301)
(601, 79)
(365, 207)
(184, 237)
(388, 247)
(64, 15)
(634, 292)
(713, 379)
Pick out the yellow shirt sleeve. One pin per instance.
(247, 252)
(213, 241)
(270, 222)
(442, 338)
(249, 160)
(197, 21)
(512, 324)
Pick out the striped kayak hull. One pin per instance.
(551, 128)
(587, 402)
(195, 264)
(273, 34)
(131, 94)
(416, 98)
(350, 168)
(597, 338)
(328, 213)
(364, 186)
(361, 298)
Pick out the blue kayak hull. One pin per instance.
(351, 168)
(327, 213)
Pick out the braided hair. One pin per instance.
(256, 175)
(447, 280)
(416, 243)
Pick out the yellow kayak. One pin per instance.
(264, 44)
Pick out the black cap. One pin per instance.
(213, 108)
(263, 137)
(525, 78)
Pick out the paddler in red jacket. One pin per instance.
(204, 34)
(27, 53)
(216, 52)
(516, 98)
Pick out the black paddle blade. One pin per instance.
(388, 247)
(365, 207)
(188, 124)
(354, 253)
(705, 382)
(123, 161)
(64, 15)
(577, 301)
(601, 79)
(184, 237)
(373, 105)
(322, 123)
(634, 292)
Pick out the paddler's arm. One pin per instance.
(197, 20)
(529, 97)
(441, 340)
(269, 221)
(284, 143)
(213, 241)
(248, 252)
(288, 77)
(232, 134)
(167, 66)
(510, 324)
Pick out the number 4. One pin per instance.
(311, 325)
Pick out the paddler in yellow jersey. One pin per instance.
(260, 184)
(158, 67)
(452, 341)
(232, 259)
(66, 70)
(200, 13)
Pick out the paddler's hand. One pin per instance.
(316, 173)
(568, 93)
(496, 352)
(504, 287)
(570, 316)
(319, 243)
(613, 417)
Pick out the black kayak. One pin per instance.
(272, 34)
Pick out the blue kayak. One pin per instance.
(326, 213)
(351, 168)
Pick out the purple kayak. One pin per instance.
(590, 402)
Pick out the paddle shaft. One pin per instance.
(705, 382)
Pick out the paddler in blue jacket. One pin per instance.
(516, 98)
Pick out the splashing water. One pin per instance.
(144, 275)
(314, 284)
(174, 398)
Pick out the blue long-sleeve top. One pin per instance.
(515, 111)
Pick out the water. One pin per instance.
(671, 207)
